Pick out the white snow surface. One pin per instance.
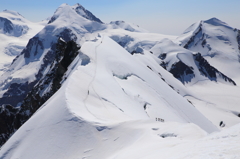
(220, 49)
(107, 108)
(126, 26)
(11, 45)
(217, 101)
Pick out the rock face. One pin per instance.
(185, 65)
(7, 118)
(217, 42)
(11, 29)
(186, 73)
(238, 41)
(182, 72)
(36, 74)
(6, 25)
(209, 71)
(85, 13)
(12, 118)
(80, 10)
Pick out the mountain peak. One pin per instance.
(12, 12)
(85, 13)
(215, 22)
(77, 5)
(65, 10)
(127, 26)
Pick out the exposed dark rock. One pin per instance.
(34, 43)
(204, 42)
(59, 58)
(10, 29)
(164, 65)
(209, 71)
(238, 40)
(7, 25)
(198, 33)
(182, 72)
(186, 73)
(7, 115)
(16, 93)
(65, 53)
(88, 15)
(123, 41)
(162, 56)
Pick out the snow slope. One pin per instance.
(187, 66)
(34, 61)
(105, 107)
(19, 32)
(126, 26)
(217, 42)
(115, 100)
(37, 60)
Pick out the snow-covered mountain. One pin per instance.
(12, 23)
(110, 89)
(185, 65)
(217, 42)
(15, 31)
(39, 59)
(126, 26)
(85, 89)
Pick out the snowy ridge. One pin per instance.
(85, 108)
(36, 61)
(85, 13)
(126, 26)
(37, 53)
(116, 91)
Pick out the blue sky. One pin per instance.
(161, 16)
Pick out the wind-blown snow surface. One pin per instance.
(104, 107)
(17, 32)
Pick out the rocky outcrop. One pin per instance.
(209, 71)
(6, 25)
(11, 117)
(8, 28)
(182, 72)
